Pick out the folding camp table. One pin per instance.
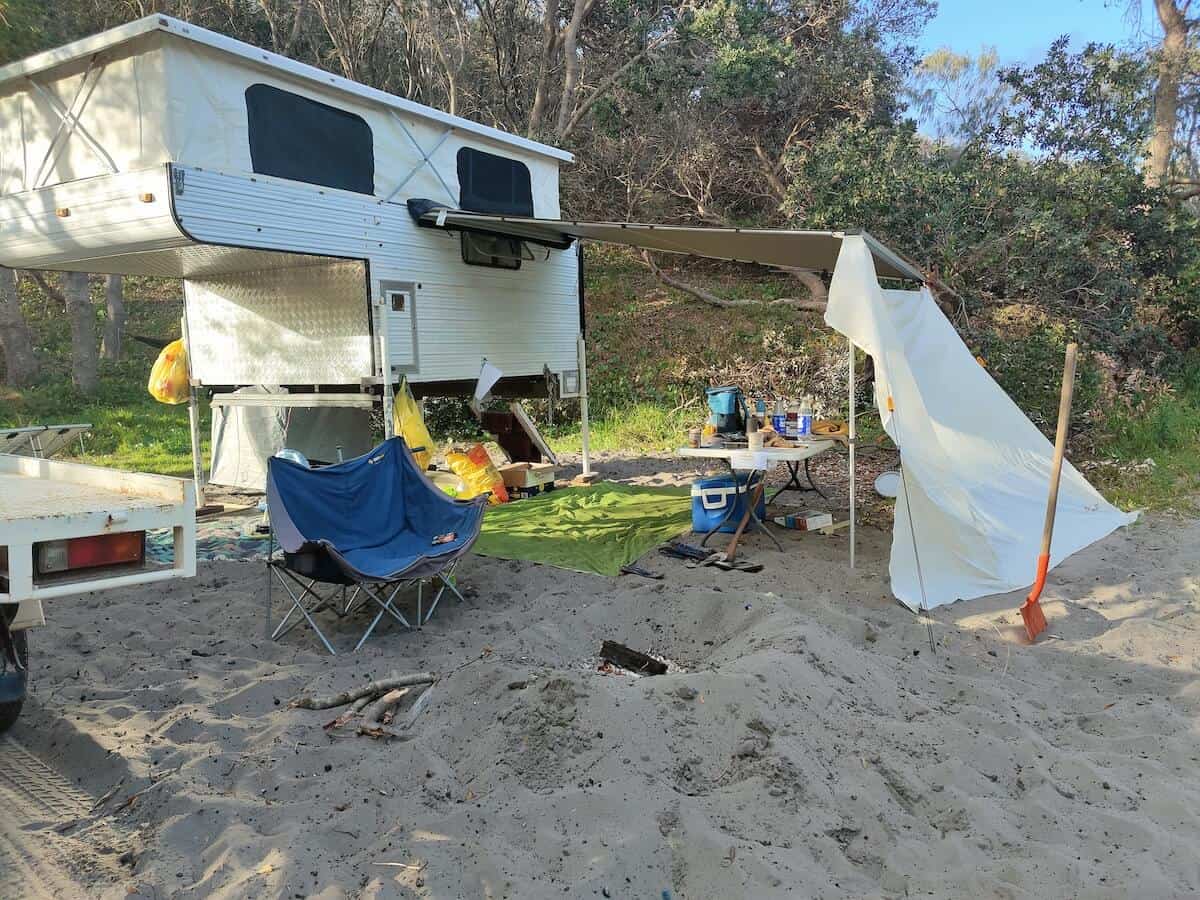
(741, 458)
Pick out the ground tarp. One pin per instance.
(976, 470)
(594, 529)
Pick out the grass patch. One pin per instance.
(130, 430)
(1166, 431)
(640, 427)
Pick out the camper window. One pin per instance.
(490, 250)
(301, 139)
(493, 184)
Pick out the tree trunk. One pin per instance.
(1172, 61)
(82, 314)
(114, 326)
(549, 46)
(571, 64)
(20, 363)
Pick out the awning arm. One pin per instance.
(892, 258)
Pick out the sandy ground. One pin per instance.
(806, 742)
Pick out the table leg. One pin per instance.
(793, 482)
(811, 483)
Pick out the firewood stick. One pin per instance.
(376, 710)
(373, 689)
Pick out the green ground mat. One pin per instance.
(588, 529)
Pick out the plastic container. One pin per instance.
(779, 418)
(793, 420)
(805, 419)
(712, 497)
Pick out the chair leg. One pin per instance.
(447, 585)
(298, 606)
(384, 607)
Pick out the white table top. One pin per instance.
(771, 454)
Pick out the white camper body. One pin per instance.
(157, 148)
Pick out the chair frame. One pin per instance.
(382, 594)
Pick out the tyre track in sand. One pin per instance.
(50, 846)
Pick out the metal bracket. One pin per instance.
(426, 159)
(69, 123)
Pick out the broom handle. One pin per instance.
(1060, 446)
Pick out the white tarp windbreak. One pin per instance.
(976, 470)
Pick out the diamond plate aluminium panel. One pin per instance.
(305, 325)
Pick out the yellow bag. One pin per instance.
(477, 472)
(169, 375)
(408, 423)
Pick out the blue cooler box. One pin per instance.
(712, 497)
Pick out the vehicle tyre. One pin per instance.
(13, 683)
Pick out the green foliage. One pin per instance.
(1029, 368)
(1002, 227)
(20, 29)
(130, 430)
(1091, 106)
(1165, 431)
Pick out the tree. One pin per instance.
(1092, 106)
(16, 340)
(959, 97)
(82, 315)
(114, 323)
(1173, 61)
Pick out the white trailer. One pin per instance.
(66, 529)
(278, 193)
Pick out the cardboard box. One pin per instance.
(528, 475)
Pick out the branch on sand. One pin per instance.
(372, 690)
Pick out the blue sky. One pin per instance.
(1021, 30)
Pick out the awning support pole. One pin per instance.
(583, 405)
(193, 417)
(385, 367)
(851, 432)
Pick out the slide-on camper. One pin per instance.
(278, 193)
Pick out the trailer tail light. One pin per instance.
(54, 557)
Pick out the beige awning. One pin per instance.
(815, 250)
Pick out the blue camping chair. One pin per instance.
(374, 523)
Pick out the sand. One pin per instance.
(806, 742)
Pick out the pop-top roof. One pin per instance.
(68, 53)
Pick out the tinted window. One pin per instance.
(489, 250)
(301, 139)
(493, 184)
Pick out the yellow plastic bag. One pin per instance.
(169, 375)
(408, 423)
(475, 469)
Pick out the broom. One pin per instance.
(1031, 610)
